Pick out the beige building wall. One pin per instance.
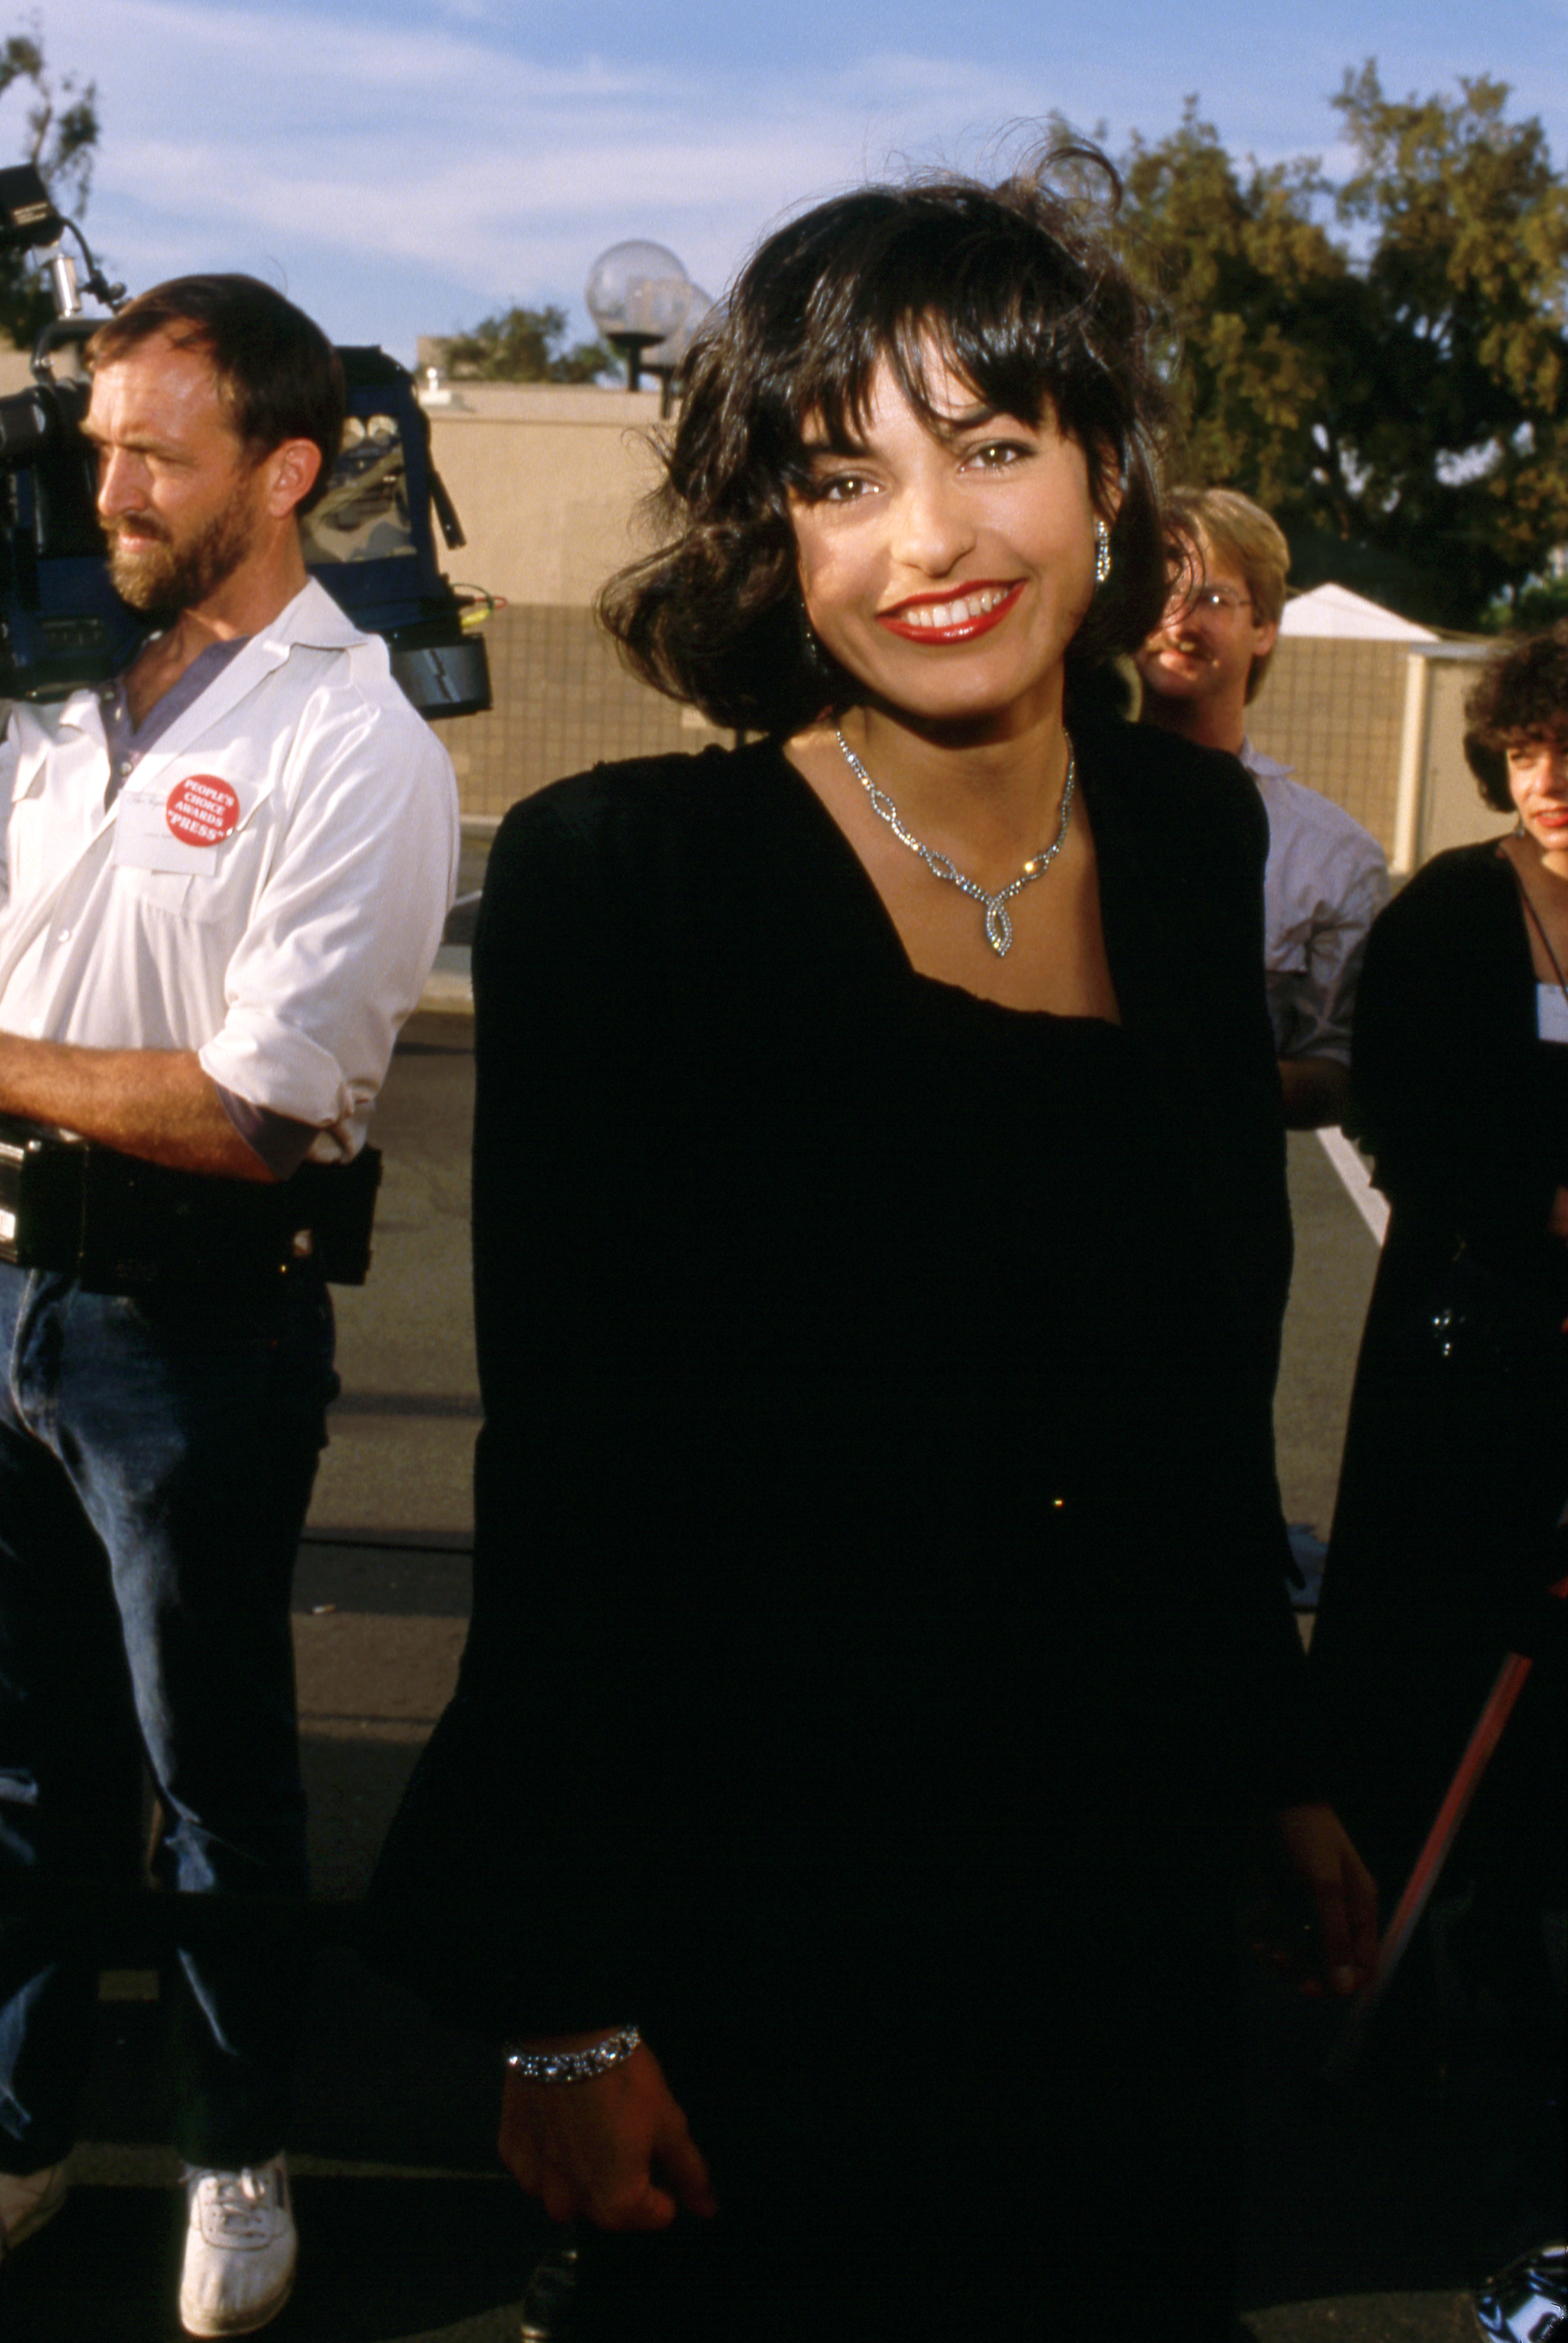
(1443, 806)
(547, 482)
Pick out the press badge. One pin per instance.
(1552, 1012)
(179, 831)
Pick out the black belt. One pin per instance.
(118, 1225)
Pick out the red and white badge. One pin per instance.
(201, 810)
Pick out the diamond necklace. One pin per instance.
(998, 925)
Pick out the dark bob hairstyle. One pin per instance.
(1522, 695)
(1021, 295)
(278, 375)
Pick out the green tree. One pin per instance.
(522, 344)
(1540, 602)
(62, 138)
(1381, 362)
(1250, 284)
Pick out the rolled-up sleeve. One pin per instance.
(347, 919)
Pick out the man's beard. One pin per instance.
(161, 578)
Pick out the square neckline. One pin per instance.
(887, 925)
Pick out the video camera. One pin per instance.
(370, 541)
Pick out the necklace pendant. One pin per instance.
(998, 922)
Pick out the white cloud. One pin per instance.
(445, 156)
(541, 166)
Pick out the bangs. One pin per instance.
(972, 289)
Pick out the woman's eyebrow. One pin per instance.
(952, 428)
(819, 442)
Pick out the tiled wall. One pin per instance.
(1333, 712)
(562, 702)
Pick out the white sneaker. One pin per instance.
(28, 2200)
(240, 2249)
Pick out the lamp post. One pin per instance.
(638, 295)
(665, 357)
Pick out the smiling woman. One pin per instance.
(925, 517)
(839, 1705)
(1034, 322)
(941, 532)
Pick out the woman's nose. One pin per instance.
(935, 528)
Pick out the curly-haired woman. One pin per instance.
(1456, 1457)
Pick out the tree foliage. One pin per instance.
(522, 344)
(1530, 608)
(1381, 362)
(62, 138)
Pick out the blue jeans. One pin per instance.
(156, 1458)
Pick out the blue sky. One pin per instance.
(401, 168)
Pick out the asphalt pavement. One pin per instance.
(1370, 2210)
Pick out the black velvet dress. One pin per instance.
(879, 1628)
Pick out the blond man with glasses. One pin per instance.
(1326, 879)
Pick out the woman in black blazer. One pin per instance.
(1456, 1456)
(879, 1241)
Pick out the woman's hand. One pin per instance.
(1333, 1948)
(615, 2151)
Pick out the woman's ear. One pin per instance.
(1107, 484)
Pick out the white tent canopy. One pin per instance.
(1335, 611)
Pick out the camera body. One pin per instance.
(370, 541)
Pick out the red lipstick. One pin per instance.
(959, 616)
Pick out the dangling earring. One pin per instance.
(1101, 553)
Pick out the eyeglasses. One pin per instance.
(1209, 601)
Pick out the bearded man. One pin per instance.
(225, 876)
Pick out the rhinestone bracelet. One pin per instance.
(574, 2065)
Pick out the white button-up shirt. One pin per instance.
(287, 953)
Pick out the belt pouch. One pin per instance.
(41, 1181)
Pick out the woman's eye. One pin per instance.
(995, 455)
(838, 489)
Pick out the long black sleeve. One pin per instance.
(1446, 1072)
